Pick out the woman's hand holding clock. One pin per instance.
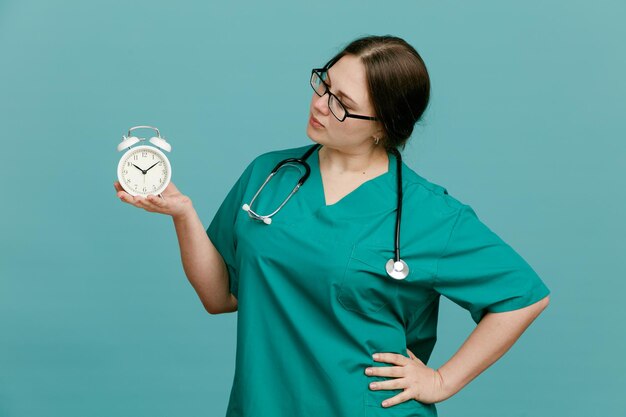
(173, 203)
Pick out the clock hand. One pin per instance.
(139, 169)
(151, 167)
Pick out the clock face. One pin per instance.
(144, 170)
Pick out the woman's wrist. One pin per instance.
(447, 389)
(185, 214)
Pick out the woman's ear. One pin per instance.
(379, 130)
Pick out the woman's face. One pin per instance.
(346, 79)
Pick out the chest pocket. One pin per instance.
(365, 286)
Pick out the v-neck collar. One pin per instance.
(358, 200)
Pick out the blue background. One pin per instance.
(525, 124)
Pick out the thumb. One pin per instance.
(171, 188)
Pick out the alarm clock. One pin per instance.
(144, 169)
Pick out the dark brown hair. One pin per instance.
(398, 84)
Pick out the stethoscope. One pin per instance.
(396, 268)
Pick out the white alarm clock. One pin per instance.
(144, 169)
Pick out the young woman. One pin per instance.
(333, 278)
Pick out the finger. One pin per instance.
(397, 383)
(119, 188)
(412, 356)
(390, 357)
(122, 194)
(130, 199)
(400, 398)
(394, 371)
(144, 203)
(156, 201)
(125, 197)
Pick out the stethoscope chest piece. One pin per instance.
(397, 270)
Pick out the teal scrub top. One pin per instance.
(315, 301)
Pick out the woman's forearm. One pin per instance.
(491, 338)
(202, 263)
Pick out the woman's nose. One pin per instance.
(321, 103)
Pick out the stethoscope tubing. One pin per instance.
(396, 268)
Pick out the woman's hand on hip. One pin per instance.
(419, 382)
(173, 203)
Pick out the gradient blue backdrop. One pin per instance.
(97, 317)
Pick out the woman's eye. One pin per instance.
(344, 103)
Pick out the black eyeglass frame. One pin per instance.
(319, 72)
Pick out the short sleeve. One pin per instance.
(480, 272)
(221, 231)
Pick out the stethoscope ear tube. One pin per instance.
(292, 161)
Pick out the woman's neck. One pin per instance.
(372, 160)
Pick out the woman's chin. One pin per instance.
(312, 133)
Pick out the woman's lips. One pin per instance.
(314, 122)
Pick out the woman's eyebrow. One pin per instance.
(341, 92)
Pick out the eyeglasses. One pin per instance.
(337, 108)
